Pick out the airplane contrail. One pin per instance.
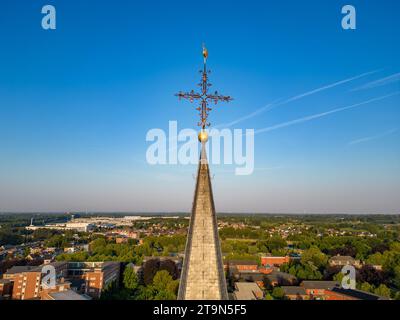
(380, 82)
(297, 97)
(377, 136)
(329, 86)
(250, 115)
(323, 114)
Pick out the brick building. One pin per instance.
(341, 261)
(26, 281)
(5, 289)
(295, 293)
(96, 275)
(241, 265)
(274, 261)
(317, 289)
(338, 293)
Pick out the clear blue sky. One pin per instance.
(76, 103)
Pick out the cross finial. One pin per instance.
(204, 97)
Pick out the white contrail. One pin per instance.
(216, 171)
(380, 82)
(378, 136)
(329, 86)
(323, 114)
(297, 97)
(251, 115)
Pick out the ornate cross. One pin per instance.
(204, 96)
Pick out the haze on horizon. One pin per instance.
(76, 104)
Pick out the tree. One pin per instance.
(163, 286)
(130, 280)
(161, 280)
(165, 295)
(268, 297)
(150, 268)
(315, 256)
(331, 272)
(146, 293)
(252, 249)
(27, 251)
(275, 243)
(369, 274)
(169, 266)
(347, 250)
(365, 286)
(338, 277)
(396, 280)
(110, 292)
(278, 293)
(382, 291)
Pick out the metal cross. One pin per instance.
(204, 96)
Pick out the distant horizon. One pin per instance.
(131, 213)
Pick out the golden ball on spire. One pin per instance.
(203, 136)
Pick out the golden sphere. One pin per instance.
(203, 136)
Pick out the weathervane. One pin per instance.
(204, 97)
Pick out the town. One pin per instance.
(140, 257)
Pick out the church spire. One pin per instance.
(203, 276)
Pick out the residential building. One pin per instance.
(316, 289)
(270, 261)
(97, 275)
(121, 239)
(6, 286)
(295, 293)
(26, 281)
(249, 276)
(66, 295)
(247, 291)
(277, 278)
(339, 260)
(338, 293)
(242, 265)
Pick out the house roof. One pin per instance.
(20, 269)
(277, 275)
(67, 295)
(250, 276)
(247, 291)
(242, 262)
(294, 290)
(341, 258)
(358, 294)
(319, 284)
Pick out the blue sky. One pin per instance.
(76, 104)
